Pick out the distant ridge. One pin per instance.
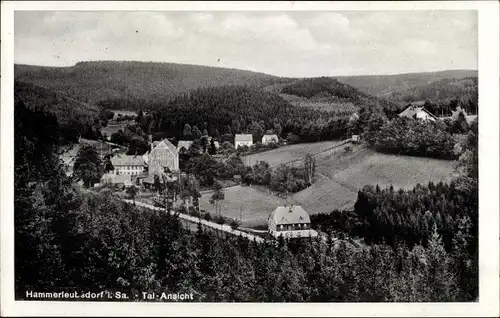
(96, 81)
(385, 85)
(104, 80)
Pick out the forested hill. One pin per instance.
(383, 85)
(441, 90)
(93, 82)
(227, 110)
(75, 118)
(330, 93)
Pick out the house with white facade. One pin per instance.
(128, 164)
(417, 112)
(269, 139)
(241, 140)
(290, 222)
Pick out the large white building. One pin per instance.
(290, 222)
(128, 165)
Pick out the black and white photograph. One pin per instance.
(293, 153)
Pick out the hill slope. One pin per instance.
(327, 93)
(384, 85)
(442, 89)
(74, 117)
(109, 80)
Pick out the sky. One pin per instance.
(282, 43)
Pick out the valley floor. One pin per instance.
(339, 175)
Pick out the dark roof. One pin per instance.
(289, 215)
(127, 160)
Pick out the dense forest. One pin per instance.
(68, 238)
(464, 90)
(76, 119)
(385, 85)
(115, 83)
(228, 110)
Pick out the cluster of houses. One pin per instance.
(241, 140)
(161, 160)
(416, 111)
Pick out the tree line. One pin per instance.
(225, 111)
(408, 136)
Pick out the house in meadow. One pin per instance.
(243, 140)
(417, 112)
(269, 139)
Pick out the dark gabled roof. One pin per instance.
(127, 160)
(290, 215)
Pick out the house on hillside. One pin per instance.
(290, 222)
(417, 112)
(127, 164)
(269, 139)
(184, 145)
(353, 117)
(243, 140)
(457, 112)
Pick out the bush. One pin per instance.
(416, 138)
(193, 212)
(234, 224)
(220, 220)
(207, 216)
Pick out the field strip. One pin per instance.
(224, 227)
(341, 143)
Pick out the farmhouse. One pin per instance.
(120, 180)
(353, 117)
(290, 222)
(243, 140)
(184, 144)
(268, 139)
(128, 165)
(417, 112)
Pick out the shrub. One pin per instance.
(193, 212)
(207, 216)
(220, 220)
(234, 224)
